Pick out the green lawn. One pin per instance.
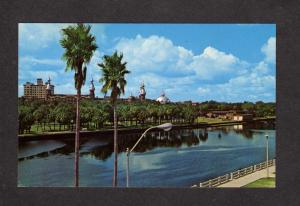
(210, 120)
(262, 183)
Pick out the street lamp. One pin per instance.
(166, 127)
(267, 154)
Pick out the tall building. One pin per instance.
(38, 90)
(142, 95)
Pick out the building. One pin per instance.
(142, 95)
(45, 91)
(163, 99)
(243, 117)
(38, 90)
(92, 90)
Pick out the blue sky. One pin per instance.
(198, 62)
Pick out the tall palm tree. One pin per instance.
(113, 79)
(79, 47)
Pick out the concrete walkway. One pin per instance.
(242, 181)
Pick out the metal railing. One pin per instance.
(235, 175)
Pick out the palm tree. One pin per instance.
(79, 47)
(113, 79)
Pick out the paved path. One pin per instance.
(249, 178)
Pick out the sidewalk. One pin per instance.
(249, 178)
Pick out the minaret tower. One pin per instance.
(142, 95)
(92, 90)
(48, 88)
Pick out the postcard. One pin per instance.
(147, 105)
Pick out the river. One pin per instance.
(179, 158)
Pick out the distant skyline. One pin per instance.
(198, 62)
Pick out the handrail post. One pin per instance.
(267, 154)
(127, 167)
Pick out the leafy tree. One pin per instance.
(26, 118)
(40, 114)
(64, 113)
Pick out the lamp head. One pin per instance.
(166, 126)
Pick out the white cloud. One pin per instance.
(34, 61)
(20, 90)
(222, 75)
(261, 68)
(67, 88)
(93, 70)
(43, 74)
(164, 66)
(252, 86)
(159, 54)
(269, 49)
(154, 54)
(212, 63)
(34, 36)
(29, 75)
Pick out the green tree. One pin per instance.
(64, 113)
(79, 47)
(26, 118)
(40, 114)
(113, 79)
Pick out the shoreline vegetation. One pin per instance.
(133, 129)
(40, 117)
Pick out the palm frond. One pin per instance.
(79, 47)
(113, 75)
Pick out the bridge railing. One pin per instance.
(235, 175)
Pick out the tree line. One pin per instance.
(99, 114)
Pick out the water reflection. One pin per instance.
(174, 158)
(103, 149)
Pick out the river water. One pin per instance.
(179, 158)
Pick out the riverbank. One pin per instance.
(250, 178)
(102, 132)
(266, 182)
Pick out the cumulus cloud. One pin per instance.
(38, 35)
(34, 61)
(269, 49)
(35, 36)
(159, 54)
(154, 54)
(212, 63)
(222, 76)
(161, 65)
(255, 85)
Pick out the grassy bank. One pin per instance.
(201, 122)
(262, 183)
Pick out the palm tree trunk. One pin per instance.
(115, 178)
(77, 139)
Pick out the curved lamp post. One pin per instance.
(267, 153)
(165, 127)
